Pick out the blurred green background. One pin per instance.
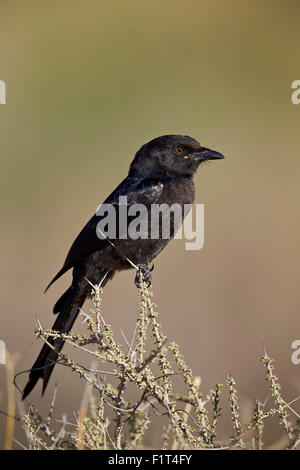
(87, 84)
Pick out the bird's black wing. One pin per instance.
(138, 191)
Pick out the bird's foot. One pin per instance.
(143, 274)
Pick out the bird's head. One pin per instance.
(171, 155)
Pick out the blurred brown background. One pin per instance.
(87, 84)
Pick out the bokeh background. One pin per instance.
(87, 84)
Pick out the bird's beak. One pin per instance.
(208, 154)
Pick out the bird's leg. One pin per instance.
(144, 272)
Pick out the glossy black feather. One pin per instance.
(138, 190)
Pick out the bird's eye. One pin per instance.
(179, 150)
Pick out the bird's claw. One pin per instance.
(144, 273)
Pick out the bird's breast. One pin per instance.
(146, 236)
(179, 191)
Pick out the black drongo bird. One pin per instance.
(161, 173)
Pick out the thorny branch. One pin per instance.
(111, 420)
